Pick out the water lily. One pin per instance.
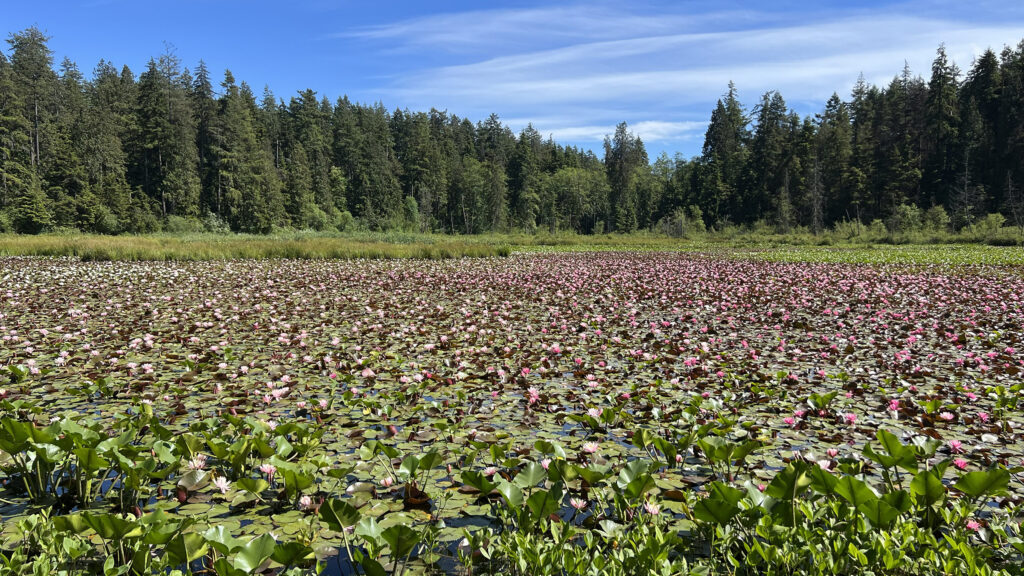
(532, 395)
(222, 484)
(269, 470)
(198, 462)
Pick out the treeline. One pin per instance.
(170, 150)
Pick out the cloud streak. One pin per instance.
(575, 72)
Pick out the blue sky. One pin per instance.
(572, 69)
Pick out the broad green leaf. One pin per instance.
(927, 488)
(252, 485)
(822, 481)
(221, 539)
(631, 471)
(984, 483)
(721, 504)
(513, 494)
(372, 568)
(530, 475)
(477, 480)
(789, 482)
(292, 553)
(430, 460)
(368, 530)
(878, 512)
(194, 480)
(545, 447)
(408, 468)
(900, 500)
(253, 554)
(339, 514)
(401, 539)
(90, 460)
(855, 491)
(184, 548)
(544, 503)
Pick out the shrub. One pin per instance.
(904, 219)
(181, 225)
(936, 219)
(990, 223)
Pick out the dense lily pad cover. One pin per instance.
(660, 412)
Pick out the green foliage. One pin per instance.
(114, 154)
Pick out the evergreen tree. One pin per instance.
(724, 157)
(768, 163)
(30, 214)
(36, 83)
(107, 125)
(310, 120)
(832, 191)
(204, 108)
(980, 98)
(301, 203)
(495, 192)
(623, 154)
(167, 166)
(114, 155)
(15, 140)
(943, 113)
(245, 169)
(524, 179)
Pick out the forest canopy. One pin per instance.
(174, 149)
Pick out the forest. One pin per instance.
(172, 149)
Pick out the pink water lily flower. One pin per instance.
(532, 395)
(269, 470)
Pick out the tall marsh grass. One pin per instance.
(222, 247)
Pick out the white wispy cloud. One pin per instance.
(496, 28)
(648, 130)
(576, 71)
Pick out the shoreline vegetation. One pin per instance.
(164, 149)
(992, 247)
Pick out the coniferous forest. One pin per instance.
(173, 148)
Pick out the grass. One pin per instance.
(222, 247)
(390, 245)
